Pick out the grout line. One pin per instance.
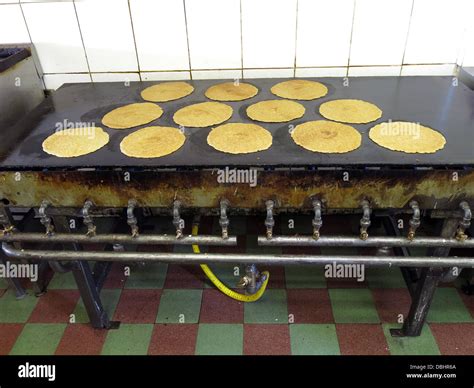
(134, 39)
(187, 39)
(36, 61)
(82, 39)
(408, 34)
(296, 38)
(350, 39)
(241, 44)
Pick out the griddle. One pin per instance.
(432, 101)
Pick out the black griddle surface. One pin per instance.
(431, 101)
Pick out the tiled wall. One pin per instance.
(115, 40)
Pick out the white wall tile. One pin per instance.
(216, 74)
(9, 1)
(165, 75)
(55, 33)
(107, 33)
(435, 32)
(160, 33)
(447, 69)
(54, 81)
(370, 71)
(322, 72)
(12, 25)
(468, 52)
(324, 32)
(380, 32)
(214, 34)
(268, 33)
(115, 77)
(269, 73)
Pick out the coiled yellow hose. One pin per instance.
(222, 287)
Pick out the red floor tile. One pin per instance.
(468, 301)
(277, 276)
(178, 339)
(138, 306)
(390, 302)
(454, 338)
(263, 339)
(219, 308)
(9, 332)
(81, 339)
(361, 339)
(55, 306)
(310, 306)
(184, 276)
(116, 277)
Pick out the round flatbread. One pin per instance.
(132, 115)
(326, 137)
(350, 111)
(275, 111)
(299, 89)
(167, 91)
(229, 91)
(74, 142)
(411, 138)
(237, 138)
(152, 142)
(203, 114)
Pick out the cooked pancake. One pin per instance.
(327, 137)
(350, 111)
(299, 89)
(203, 114)
(167, 91)
(411, 138)
(132, 115)
(230, 91)
(237, 138)
(152, 142)
(275, 111)
(74, 142)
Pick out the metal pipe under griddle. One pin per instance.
(210, 258)
(143, 239)
(377, 241)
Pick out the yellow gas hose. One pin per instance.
(222, 287)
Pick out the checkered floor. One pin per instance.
(170, 309)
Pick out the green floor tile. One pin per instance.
(311, 339)
(301, 225)
(305, 277)
(271, 308)
(447, 306)
(109, 298)
(229, 274)
(38, 339)
(220, 339)
(63, 281)
(128, 340)
(3, 284)
(150, 276)
(16, 311)
(385, 278)
(179, 306)
(425, 344)
(353, 306)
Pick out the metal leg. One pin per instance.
(425, 288)
(421, 302)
